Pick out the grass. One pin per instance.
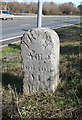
(11, 50)
(65, 103)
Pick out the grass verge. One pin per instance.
(65, 103)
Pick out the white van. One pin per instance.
(4, 15)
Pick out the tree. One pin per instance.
(65, 8)
(80, 8)
(71, 4)
(68, 8)
(50, 8)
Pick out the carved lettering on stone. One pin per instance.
(40, 58)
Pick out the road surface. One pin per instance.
(18, 26)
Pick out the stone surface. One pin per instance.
(40, 60)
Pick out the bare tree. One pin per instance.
(50, 8)
(65, 8)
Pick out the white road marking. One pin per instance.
(22, 35)
(11, 38)
(7, 45)
(63, 26)
(68, 25)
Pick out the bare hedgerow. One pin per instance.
(16, 7)
(33, 8)
(50, 8)
(68, 8)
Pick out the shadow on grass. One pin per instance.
(65, 32)
(69, 50)
(13, 81)
(66, 29)
(15, 46)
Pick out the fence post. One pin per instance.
(39, 16)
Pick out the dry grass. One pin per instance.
(65, 103)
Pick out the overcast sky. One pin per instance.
(76, 2)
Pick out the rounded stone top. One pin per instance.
(36, 32)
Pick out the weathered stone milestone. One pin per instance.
(40, 60)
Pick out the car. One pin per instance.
(4, 14)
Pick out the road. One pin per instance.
(18, 26)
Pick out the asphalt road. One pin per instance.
(18, 26)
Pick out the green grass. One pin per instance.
(64, 103)
(11, 50)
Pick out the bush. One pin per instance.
(50, 8)
(33, 8)
(65, 8)
(68, 8)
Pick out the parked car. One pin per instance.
(6, 14)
